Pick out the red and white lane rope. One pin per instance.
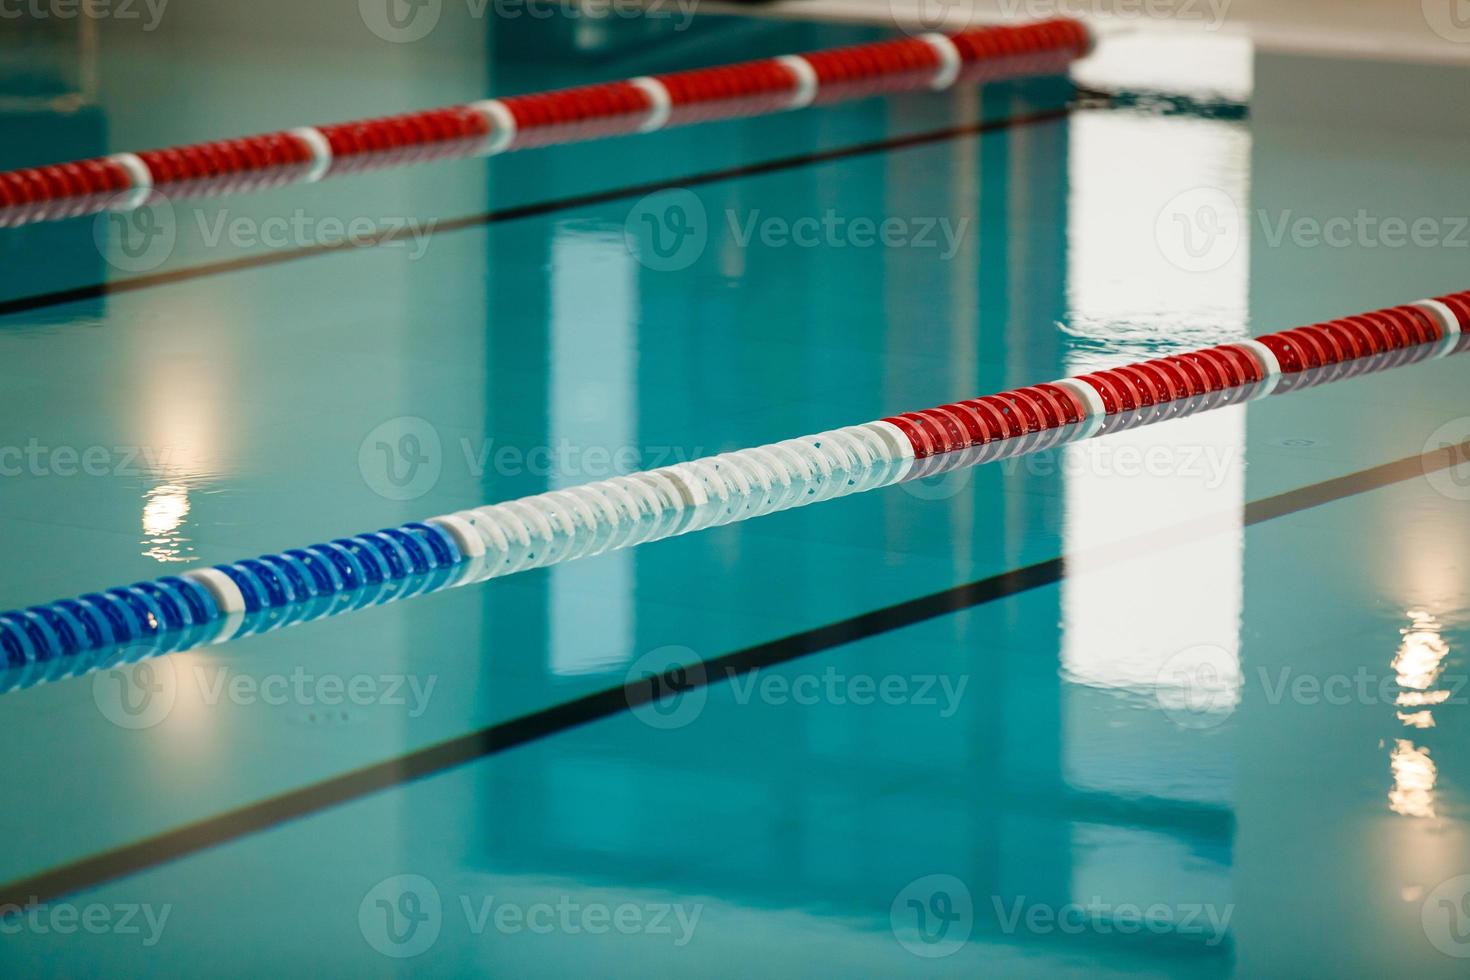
(932, 61)
(209, 605)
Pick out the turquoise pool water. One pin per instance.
(1181, 701)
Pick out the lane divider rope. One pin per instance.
(228, 601)
(127, 180)
(321, 152)
(950, 60)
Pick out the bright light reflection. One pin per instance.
(1417, 665)
(164, 511)
(1414, 776)
(1204, 66)
(1420, 658)
(1141, 626)
(180, 440)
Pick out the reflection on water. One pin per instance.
(1141, 627)
(1414, 776)
(592, 405)
(1136, 287)
(1208, 67)
(1419, 661)
(164, 510)
(1417, 666)
(177, 413)
(50, 63)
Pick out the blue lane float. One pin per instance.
(215, 602)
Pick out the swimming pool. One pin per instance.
(1181, 700)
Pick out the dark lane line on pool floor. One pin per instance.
(99, 290)
(98, 869)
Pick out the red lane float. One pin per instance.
(933, 61)
(964, 425)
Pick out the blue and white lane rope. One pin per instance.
(225, 602)
(243, 598)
